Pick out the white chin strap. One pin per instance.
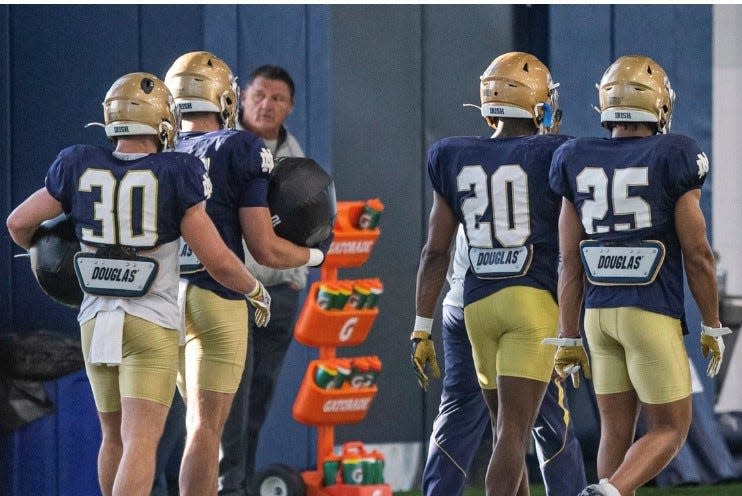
(499, 128)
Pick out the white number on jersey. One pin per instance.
(115, 211)
(595, 180)
(508, 196)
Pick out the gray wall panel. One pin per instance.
(458, 45)
(301, 46)
(376, 95)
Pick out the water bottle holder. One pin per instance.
(351, 246)
(316, 406)
(319, 327)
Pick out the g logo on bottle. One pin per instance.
(347, 330)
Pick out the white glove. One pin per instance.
(260, 299)
(712, 347)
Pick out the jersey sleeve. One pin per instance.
(255, 163)
(687, 166)
(558, 178)
(194, 185)
(436, 172)
(59, 178)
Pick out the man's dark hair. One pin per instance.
(272, 72)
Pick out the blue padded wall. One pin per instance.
(55, 455)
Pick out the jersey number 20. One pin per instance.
(507, 191)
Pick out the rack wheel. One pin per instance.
(279, 480)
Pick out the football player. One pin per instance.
(129, 208)
(239, 166)
(498, 189)
(631, 222)
(462, 416)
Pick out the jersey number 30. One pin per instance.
(115, 211)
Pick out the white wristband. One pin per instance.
(423, 324)
(714, 331)
(563, 341)
(316, 257)
(255, 291)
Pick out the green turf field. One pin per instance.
(717, 490)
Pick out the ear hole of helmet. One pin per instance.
(147, 85)
(166, 134)
(227, 114)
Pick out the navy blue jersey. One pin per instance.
(137, 203)
(625, 190)
(239, 166)
(499, 190)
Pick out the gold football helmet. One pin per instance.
(202, 82)
(517, 84)
(140, 104)
(636, 89)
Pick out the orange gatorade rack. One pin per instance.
(326, 329)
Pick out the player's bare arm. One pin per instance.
(201, 235)
(26, 218)
(569, 290)
(698, 258)
(436, 253)
(265, 246)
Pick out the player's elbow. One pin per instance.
(19, 231)
(268, 256)
(221, 269)
(432, 255)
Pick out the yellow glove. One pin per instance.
(712, 347)
(260, 299)
(570, 358)
(423, 355)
